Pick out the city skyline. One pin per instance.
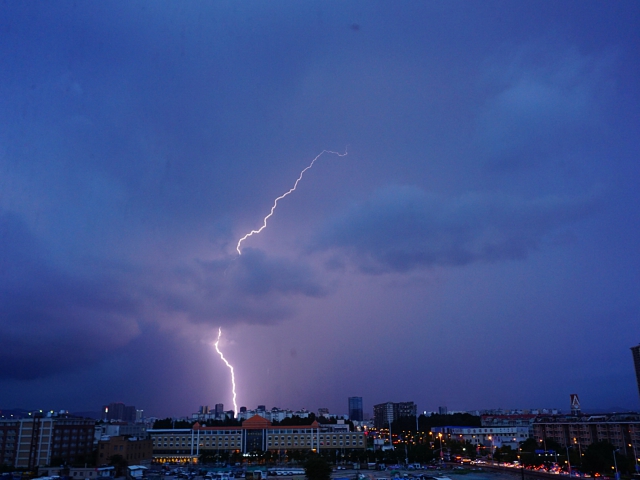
(246, 412)
(473, 242)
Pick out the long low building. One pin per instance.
(485, 436)
(255, 435)
(620, 429)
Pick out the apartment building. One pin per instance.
(385, 414)
(580, 431)
(37, 441)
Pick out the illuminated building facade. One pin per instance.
(255, 435)
(496, 437)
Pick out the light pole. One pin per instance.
(492, 457)
(615, 463)
(573, 444)
(635, 455)
(406, 454)
(575, 440)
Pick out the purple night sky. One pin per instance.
(478, 247)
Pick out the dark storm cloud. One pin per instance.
(43, 311)
(403, 228)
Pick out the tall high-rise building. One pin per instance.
(383, 415)
(386, 413)
(405, 409)
(355, 409)
(636, 362)
(219, 410)
(119, 412)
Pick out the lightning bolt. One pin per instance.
(275, 203)
(233, 377)
(255, 232)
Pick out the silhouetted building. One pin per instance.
(405, 409)
(508, 420)
(133, 450)
(442, 410)
(385, 414)
(323, 412)
(119, 429)
(636, 363)
(219, 410)
(119, 412)
(355, 409)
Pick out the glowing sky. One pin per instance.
(477, 247)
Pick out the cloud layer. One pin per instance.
(403, 228)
